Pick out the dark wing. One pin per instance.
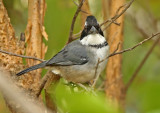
(73, 54)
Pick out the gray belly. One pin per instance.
(75, 73)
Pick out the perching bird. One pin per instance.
(76, 62)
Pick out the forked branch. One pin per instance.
(130, 49)
(117, 15)
(127, 50)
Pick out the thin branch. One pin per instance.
(47, 79)
(111, 54)
(42, 84)
(77, 34)
(113, 19)
(75, 3)
(74, 20)
(130, 49)
(96, 75)
(22, 56)
(117, 48)
(81, 9)
(123, 51)
(141, 64)
(84, 12)
(84, 87)
(110, 20)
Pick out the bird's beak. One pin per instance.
(93, 30)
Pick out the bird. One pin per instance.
(77, 61)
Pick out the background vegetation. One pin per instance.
(143, 95)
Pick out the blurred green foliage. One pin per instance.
(143, 95)
(77, 100)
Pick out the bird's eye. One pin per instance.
(89, 27)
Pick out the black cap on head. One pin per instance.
(91, 27)
(91, 20)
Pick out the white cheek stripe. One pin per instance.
(85, 24)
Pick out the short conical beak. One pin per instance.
(93, 30)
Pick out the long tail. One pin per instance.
(43, 64)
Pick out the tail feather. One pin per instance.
(43, 64)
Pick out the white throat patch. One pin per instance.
(93, 39)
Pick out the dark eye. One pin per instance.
(88, 28)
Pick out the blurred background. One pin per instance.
(141, 20)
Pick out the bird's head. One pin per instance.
(91, 27)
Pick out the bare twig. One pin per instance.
(117, 48)
(84, 12)
(51, 82)
(81, 9)
(110, 20)
(111, 54)
(77, 34)
(74, 20)
(130, 49)
(42, 84)
(75, 3)
(22, 56)
(141, 64)
(47, 79)
(84, 87)
(113, 19)
(96, 75)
